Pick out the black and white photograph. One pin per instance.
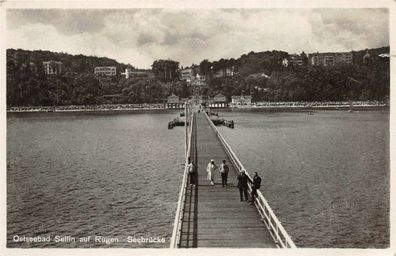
(167, 127)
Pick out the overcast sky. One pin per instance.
(139, 36)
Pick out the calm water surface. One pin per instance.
(325, 175)
(92, 174)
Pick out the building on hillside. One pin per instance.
(105, 71)
(384, 55)
(174, 102)
(52, 67)
(295, 60)
(285, 62)
(330, 59)
(198, 81)
(136, 73)
(186, 74)
(241, 100)
(126, 73)
(225, 72)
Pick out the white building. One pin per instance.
(331, 58)
(173, 99)
(285, 62)
(52, 67)
(220, 98)
(241, 100)
(198, 81)
(295, 60)
(106, 71)
(186, 74)
(134, 73)
(218, 101)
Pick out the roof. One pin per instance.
(384, 55)
(244, 96)
(328, 53)
(173, 96)
(295, 55)
(219, 95)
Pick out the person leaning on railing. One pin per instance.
(243, 185)
(256, 183)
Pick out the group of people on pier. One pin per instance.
(223, 169)
(243, 179)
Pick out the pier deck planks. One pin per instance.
(214, 216)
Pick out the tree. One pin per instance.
(204, 67)
(165, 70)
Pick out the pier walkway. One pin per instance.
(214, 216)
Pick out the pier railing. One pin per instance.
(274, 226)
(177, 226)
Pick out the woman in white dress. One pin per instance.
(210, 170)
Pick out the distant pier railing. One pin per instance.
(274, 226)
(177, 226)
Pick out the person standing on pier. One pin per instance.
(243, 185)
(210, 170)
(256, 185)
(224, 173)
(191, 171)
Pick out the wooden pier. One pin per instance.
(214, 216)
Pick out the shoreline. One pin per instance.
(156, 109)
(314, 108)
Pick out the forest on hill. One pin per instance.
(76, 84)
(261, 75)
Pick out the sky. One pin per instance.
(140, 36)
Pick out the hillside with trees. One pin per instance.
(261, 75)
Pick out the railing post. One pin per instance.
(276, 234)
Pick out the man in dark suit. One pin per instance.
(243, 185)
(224, 173)
(256, 183)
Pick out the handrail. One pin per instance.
(177, 225)
(186, 131)
(278, 233)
